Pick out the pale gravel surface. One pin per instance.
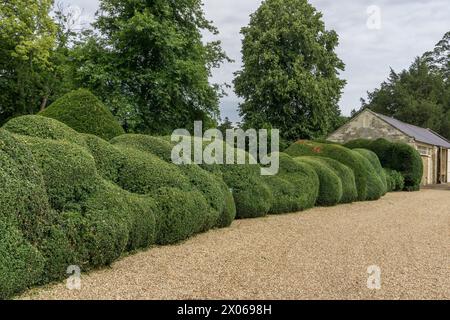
(322, 253)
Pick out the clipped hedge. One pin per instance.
(211, 186)
(330, 186)
(349, 192)
(85, 113)
(396, 156)
(69, 171)
(180, 214)
(21, 264)
(395, 180)
(347, 157)
(294, 188)
(45, 128)
(144, 173)
(109, 160)
(158, 146)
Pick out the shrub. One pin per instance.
(251, 194)
(211, 186)
(349, 192)
(21, 264)
(109, 160)
(285, 195)
(85, 113)
(137, 212)
(395, 180)
(294, 188)
(23, 196)
(180, 214)
(376, 184)
(330, 189)
(396, 156)
(375, 162)
(144, 173)
(351, 159)
(69, 171)
(45, 128)
(155, 145)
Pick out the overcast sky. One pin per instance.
(374, 36)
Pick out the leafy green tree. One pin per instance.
(147, 61)
(225, 125)
(419, 95)
(27, 38)
(290, 76)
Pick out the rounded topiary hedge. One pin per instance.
(330, 185)
(21, 264)
(349, 192)
(144, 173)
(346, 156)
(180, 214)
(69, 171)
(396, 156)
(85, 113)
(155, 145)
(109, 159)
(294, 188)
(45, 128)
(395, 180)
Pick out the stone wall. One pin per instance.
(368, 126)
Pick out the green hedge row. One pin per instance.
(70, 198)
(74, 199)
(368, 183)
(397, 156)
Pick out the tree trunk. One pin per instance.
(43, 103)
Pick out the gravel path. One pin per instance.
(322, 253)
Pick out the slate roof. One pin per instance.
(419, 134)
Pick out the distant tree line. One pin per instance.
(419, 95)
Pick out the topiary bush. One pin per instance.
(144, 173)
(396, 156)
(349, 192)
(180, 214)
(376, 164)
(211, 186)
(21, 264)
(69, 171)
(85, 113)
(330, 188)
(347, 157)
(23, 197)
(158, 146)
(45, 128)
(395, 180)
(294, 188)
(109, 160)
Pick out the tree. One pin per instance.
(419, 95)
(27, 38)
(290, 76)
(225, 125)
(147, 61)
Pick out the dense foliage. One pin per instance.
(419, 95)
(85, 113)
(396, 156)
(290, 76)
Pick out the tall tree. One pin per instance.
(147, 60)
(419, 95)
(27, 38)
(290, 76)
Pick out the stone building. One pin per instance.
(434, 149)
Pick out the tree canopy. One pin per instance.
(290, 75)
(419, 95)
(148, 62)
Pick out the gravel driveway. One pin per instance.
(323, 253)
